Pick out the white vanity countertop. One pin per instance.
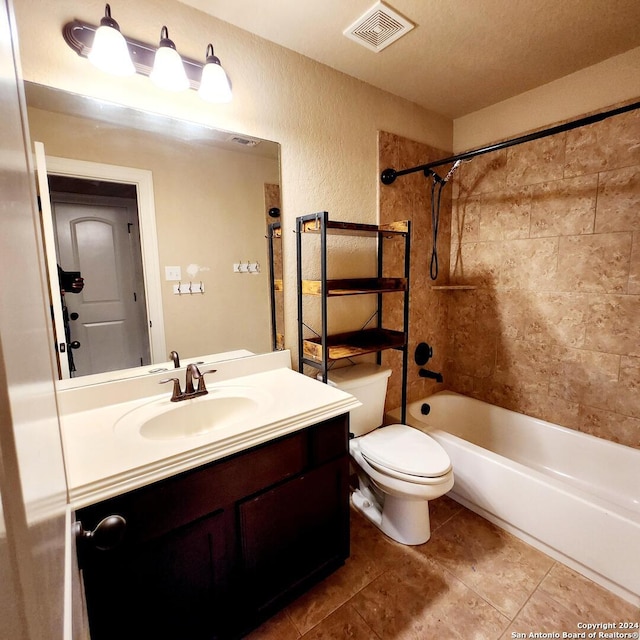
(102, 461)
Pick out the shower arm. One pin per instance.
(388, 176)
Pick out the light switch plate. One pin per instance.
(173, 273)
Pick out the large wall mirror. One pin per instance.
(139, 199)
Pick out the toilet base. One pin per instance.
(405, 521)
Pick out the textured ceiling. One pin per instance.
(462, 56)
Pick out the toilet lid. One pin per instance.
(407, 450)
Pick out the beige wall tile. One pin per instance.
(505, 215)
(465, 220)
(614, 324)
(556, 318)
(610, 426)
(476, 263)
(597, 263)
(524, 365)
(579, 374)
(529, 264)
(619, 200)
(627, 401)
(483, 174)
(534, 162)
(634, 268)
(542, 317)
(564, 207)
(610, 144)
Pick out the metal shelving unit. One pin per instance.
(323, 349)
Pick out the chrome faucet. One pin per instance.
(176, 359)
(192, 373)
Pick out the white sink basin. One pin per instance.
(166, 420)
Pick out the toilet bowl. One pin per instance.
(399, 468)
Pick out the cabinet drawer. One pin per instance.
(152, 511)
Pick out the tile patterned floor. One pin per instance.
(471, 581)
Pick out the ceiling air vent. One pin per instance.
(245, 141)
(378, 27)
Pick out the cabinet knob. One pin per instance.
(106, 536)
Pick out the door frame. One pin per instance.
(142, 179)
(138, 323)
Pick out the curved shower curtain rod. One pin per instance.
(388, 176)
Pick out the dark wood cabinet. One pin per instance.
(211, 553)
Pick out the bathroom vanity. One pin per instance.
(222, 530)
(211, 552)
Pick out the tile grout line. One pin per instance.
(483, 598)
(524, 604)
(375, 635)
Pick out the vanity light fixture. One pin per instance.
(109, 51)
(168, 71)
(83, 39)
(214, 85)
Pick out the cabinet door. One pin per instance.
(168, 587)
(294, 533)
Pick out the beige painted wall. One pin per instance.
(326, 121)
(209, 211)
(592, 89)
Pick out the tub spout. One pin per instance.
(426, 373)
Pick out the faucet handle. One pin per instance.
(201, 386)
(177, 392)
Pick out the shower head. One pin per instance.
(453, 169)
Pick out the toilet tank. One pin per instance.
(368, 383)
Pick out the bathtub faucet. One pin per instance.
(426, 373)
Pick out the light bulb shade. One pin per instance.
(109, 51)
(214, 84)
(168, 71)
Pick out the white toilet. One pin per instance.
(399, 468)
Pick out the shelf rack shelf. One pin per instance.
(322, 350)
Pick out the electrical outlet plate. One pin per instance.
(173, 273)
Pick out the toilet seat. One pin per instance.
(405, 453)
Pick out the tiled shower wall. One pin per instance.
(408, 198)
(549, 233)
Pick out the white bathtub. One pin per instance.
(574, 496)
